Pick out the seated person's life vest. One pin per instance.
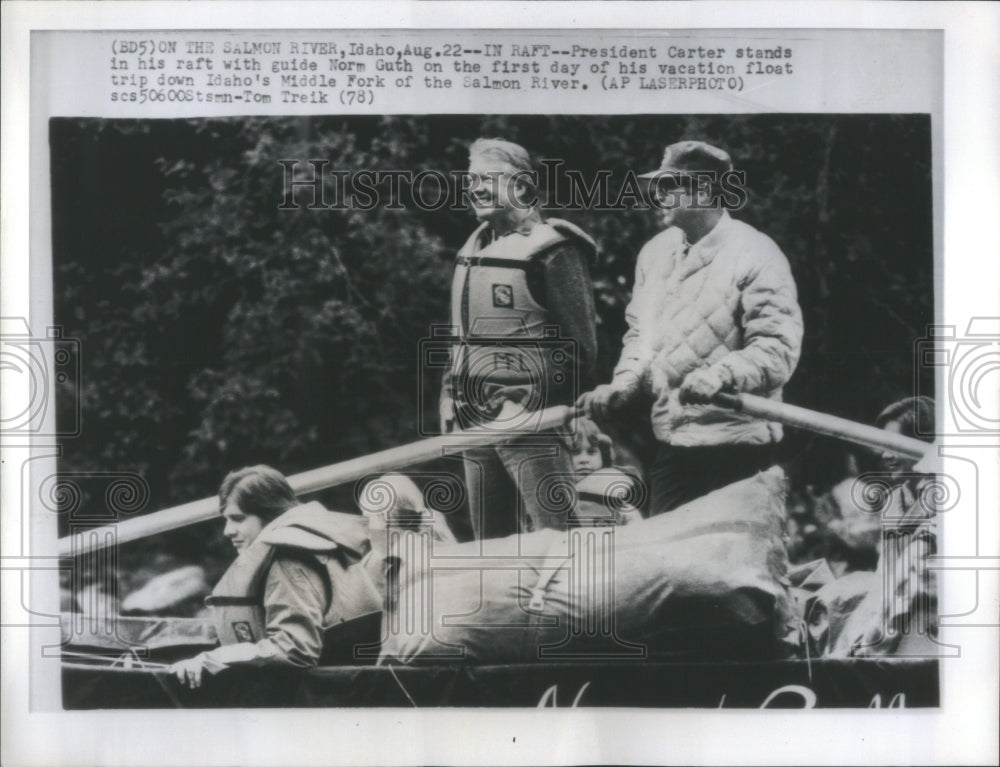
(891, 611)
(608, 496)
(336, 546)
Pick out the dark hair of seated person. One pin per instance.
(258, 490)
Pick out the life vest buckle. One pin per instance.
(537, 602)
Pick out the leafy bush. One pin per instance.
(219, 330)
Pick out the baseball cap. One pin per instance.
(688, 156)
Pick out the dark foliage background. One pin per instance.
(218, 330)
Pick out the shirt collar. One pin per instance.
(714, 238)
(525, 226)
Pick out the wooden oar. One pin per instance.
(352, 470)
(427, 449)
(822, 423)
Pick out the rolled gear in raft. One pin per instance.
(707, 580)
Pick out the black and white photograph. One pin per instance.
(649, 520)
(372, 373)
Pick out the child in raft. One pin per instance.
(606, 494)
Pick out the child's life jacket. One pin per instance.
(608, 496)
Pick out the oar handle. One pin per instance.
(822, 423)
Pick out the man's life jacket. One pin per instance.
(336, 544)
(497, 307)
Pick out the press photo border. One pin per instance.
(734, 727)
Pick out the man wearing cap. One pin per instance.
(714, 309)
(527, 280)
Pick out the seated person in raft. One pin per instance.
(909, 529)
(301, 572)
(396, 497)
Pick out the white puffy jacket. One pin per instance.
(727, 302)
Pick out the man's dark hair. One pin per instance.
(258, 490)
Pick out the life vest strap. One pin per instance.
(589, 495)
(228, 601)
(494, 261)
(537, 602)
